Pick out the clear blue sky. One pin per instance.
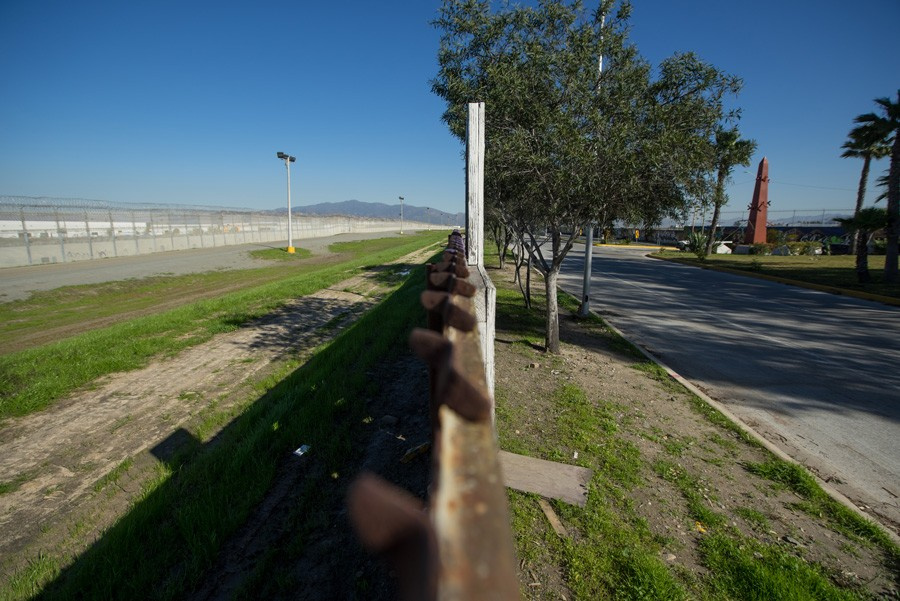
(188, 102)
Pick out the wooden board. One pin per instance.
(567, 483)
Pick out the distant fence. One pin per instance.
(801, 224)
(59, 230)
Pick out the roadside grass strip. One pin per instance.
(837, 272)
(33, 379)
(175, 529)
(611, 551)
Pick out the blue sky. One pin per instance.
(188, 102)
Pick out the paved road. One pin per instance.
(815, 373)
(19, 282)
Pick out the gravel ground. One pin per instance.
(18, 283)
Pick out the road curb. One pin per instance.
(887, 300)
(634, 246)
(767, 444)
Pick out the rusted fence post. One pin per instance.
(464, 551)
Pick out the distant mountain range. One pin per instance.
(381, 210)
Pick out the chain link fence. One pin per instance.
(59, 230)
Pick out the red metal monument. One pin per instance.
(756, 224)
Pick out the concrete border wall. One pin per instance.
(32, 244)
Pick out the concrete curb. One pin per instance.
(768, 445)
(887, 300)
(638, 246)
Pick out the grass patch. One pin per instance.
(173, 533)
(31, 380)
(114, 475)
(281, 254)
(746, 569)
(693, 492)
(818, 503)
(14, 484)
(834, 271)
(28, 583)
(755, 518)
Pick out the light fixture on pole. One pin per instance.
(288, 159)
(401, 213)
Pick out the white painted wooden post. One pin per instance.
(485, 299)
(475, 185)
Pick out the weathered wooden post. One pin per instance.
(485, 299)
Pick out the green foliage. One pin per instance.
(808, 248)
(697, 243)
(762, 248)
(568, 143)
(867, 220)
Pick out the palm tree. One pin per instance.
(729, 150)
(863, 224)
(888, 126)
(867, 143)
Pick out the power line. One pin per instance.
(772, 181)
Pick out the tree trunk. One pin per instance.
(528, 282)
(860, 198)
(893, 213)
(862, 256)
(711, 240)
(551, 342)
(718, 201)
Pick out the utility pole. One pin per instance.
(585, 308)
(401, 213)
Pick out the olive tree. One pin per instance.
(567, 143)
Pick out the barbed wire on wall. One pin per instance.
(57, 230)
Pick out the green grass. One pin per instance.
(14, 484)
(281, 254)
(31, 380)
(173, 533)
(746, 569)
(818, 503)
(835, 271)
(114, 475)
(69, 306)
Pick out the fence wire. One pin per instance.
(36, 230)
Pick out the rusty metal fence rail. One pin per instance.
(461, 546)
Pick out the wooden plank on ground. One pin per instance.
(549, 479)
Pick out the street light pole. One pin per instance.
(401, 213)
(288, 159)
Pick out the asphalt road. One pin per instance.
(813, 372)
(19, 282)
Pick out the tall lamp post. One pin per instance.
(401, 213)
(288, 159)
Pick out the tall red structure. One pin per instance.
(759, 208)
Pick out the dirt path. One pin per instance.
(65, 457)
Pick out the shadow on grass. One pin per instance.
(174, 532)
